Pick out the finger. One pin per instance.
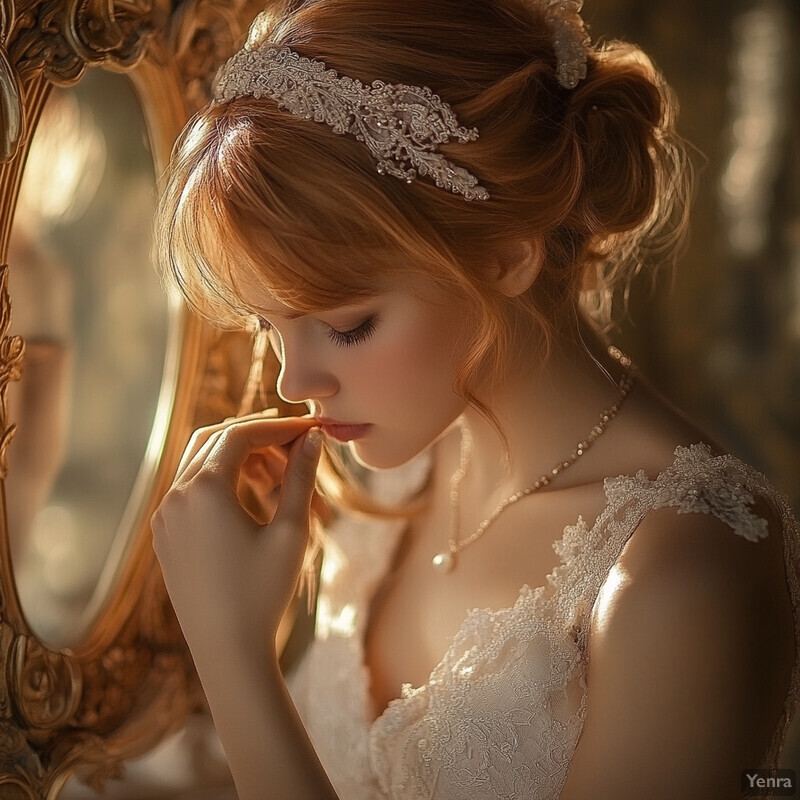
(205, 439)
(300, 479)
(273, 458)
(201, 436)
(258, 495)
(263, 473)
(223, 456)
(259, 480)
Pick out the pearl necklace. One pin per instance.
(446, 561)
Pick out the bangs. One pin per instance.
(235, 218)
(304, 273)
(237, 260)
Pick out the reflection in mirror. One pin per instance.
(95, 322)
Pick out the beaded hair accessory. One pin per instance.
(401, 125)
(570, 40)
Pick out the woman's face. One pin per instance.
(387, 363)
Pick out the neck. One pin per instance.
(544, 410)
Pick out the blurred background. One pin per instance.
(720, 334)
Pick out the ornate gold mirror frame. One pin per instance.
(130, 680)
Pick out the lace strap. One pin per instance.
(696, 482)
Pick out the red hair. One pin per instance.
(597, 174)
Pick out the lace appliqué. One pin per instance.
(698, 483)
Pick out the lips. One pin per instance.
(343, 431)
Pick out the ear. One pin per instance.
(517, 266)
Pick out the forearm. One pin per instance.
(268, 749)
(230, 580)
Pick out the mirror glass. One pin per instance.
(88, 303)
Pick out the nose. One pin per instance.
(302, 377)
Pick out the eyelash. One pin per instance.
(355, 336)
(349, 338)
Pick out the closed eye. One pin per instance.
(355, 335)
(348, 338)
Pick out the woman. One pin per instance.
(431, 255)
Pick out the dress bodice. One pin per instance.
(502, 712)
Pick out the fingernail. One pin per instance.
(313, 442)
(269, 412)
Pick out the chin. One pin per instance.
(380, 459)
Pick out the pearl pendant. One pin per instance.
(443, 562)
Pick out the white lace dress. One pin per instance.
(502, 712)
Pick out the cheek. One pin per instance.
(419, 360)
(407, 389)
(435, 346)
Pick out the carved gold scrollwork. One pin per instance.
(11, 116)
(47, 684)
(27, 775)
(12, 349)
(22, 770)
(60, 38)
(12, 120)
(6, 640)
(131, 680)
(204, 34)
(101, 29)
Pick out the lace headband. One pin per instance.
(401, 125)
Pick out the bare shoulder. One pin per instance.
(689, 660)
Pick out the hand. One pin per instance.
(230, 577)
(260, 480)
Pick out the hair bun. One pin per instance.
(618, 113)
